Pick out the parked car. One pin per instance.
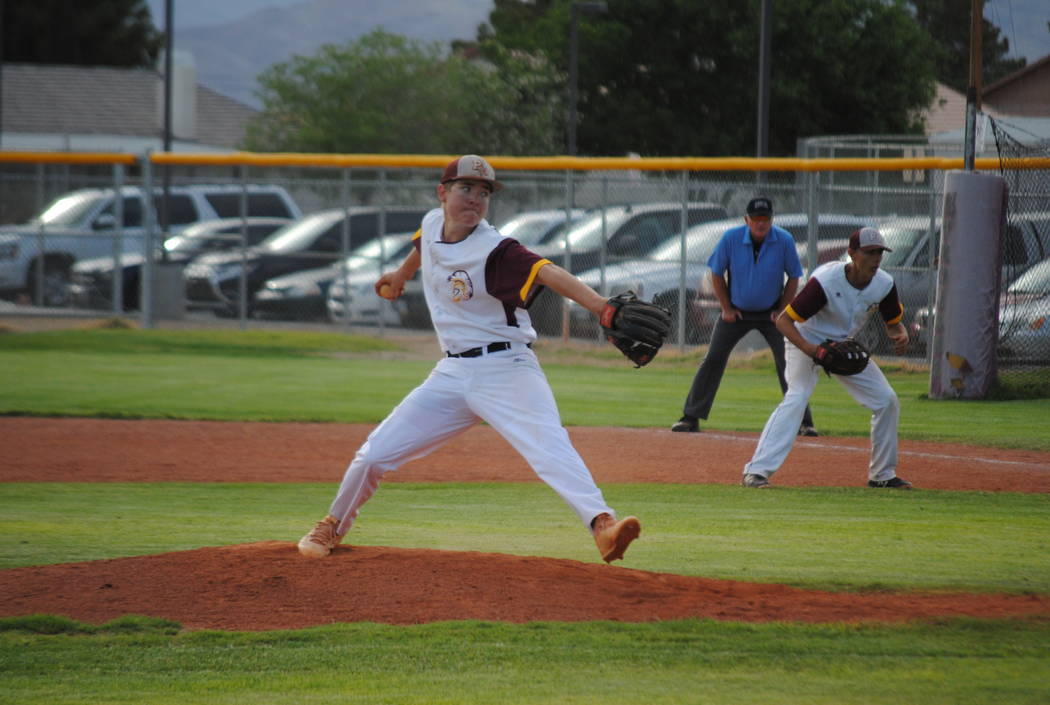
(304, 295)
(630, 232)
(213, 281)
(1024, 318)
(659, 276)
(353, 300)
(82, 225)
(91, 281)
(913, 263)
(534, 228)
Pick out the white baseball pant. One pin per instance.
(506, 389)
(869, 388)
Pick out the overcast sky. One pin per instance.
(1023, 22)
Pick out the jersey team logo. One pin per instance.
(462, 287)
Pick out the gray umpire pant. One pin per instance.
(723, 339)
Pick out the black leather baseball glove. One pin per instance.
(842, 357)
(637, 328)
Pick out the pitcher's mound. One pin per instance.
(268, 585)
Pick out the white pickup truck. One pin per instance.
(35, 258)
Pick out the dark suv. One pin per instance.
(213, 281)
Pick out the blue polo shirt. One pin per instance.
(755, 285)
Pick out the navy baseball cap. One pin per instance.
(760, 206)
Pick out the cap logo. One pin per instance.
(479, 168)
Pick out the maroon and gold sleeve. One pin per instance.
(510, 273)
(891, 308)
(807, 302)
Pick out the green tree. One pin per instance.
(96, 33)
(679, 77)
(387, 94)
(948, 22)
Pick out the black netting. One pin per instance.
(1024, 314)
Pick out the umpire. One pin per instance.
(748, 268)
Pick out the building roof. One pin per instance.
(48, 106)
(1025, 92)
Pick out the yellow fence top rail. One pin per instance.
(69, 157)
(557, 163)
(585, 163)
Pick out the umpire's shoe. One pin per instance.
(686, 424)
(613, 537)
(321, 539)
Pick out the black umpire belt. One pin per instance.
(490, 348)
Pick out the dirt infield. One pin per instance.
(268, 586)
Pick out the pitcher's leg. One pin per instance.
(516, 400)
(430, 415)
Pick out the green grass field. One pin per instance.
(830, 538)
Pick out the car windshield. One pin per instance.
(699, 244)
(196, 243)
(587, 233)
(901, 240)
(380, 250)
(70, 210)
(1035, 281)
(300, 234)
(529, 230)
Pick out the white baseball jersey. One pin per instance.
(829, 307)
(477, 288)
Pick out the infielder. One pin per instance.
(477, 285)
(834, 305)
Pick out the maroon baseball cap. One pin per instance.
(867, 239)
(471, 166)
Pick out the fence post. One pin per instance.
(117, 283)
(344, 274)
(812, 219)
(150, 224)
(605, 237)
(683, 226)
(242, 288)
(570, 203)
(381, 227)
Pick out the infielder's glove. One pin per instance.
(842, 357)
(637, 328)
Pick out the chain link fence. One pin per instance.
(649, 229)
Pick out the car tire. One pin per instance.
(55, 289)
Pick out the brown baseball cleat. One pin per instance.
(613, 537)
(321, 539)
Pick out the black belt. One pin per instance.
(477, 352)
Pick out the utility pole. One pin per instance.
(973, 90)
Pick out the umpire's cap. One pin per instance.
(471, 166)
(760, 206)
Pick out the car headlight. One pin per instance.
(302, 290)
(228, 271)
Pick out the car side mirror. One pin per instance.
(106, 221)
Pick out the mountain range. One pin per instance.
(233, 41)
